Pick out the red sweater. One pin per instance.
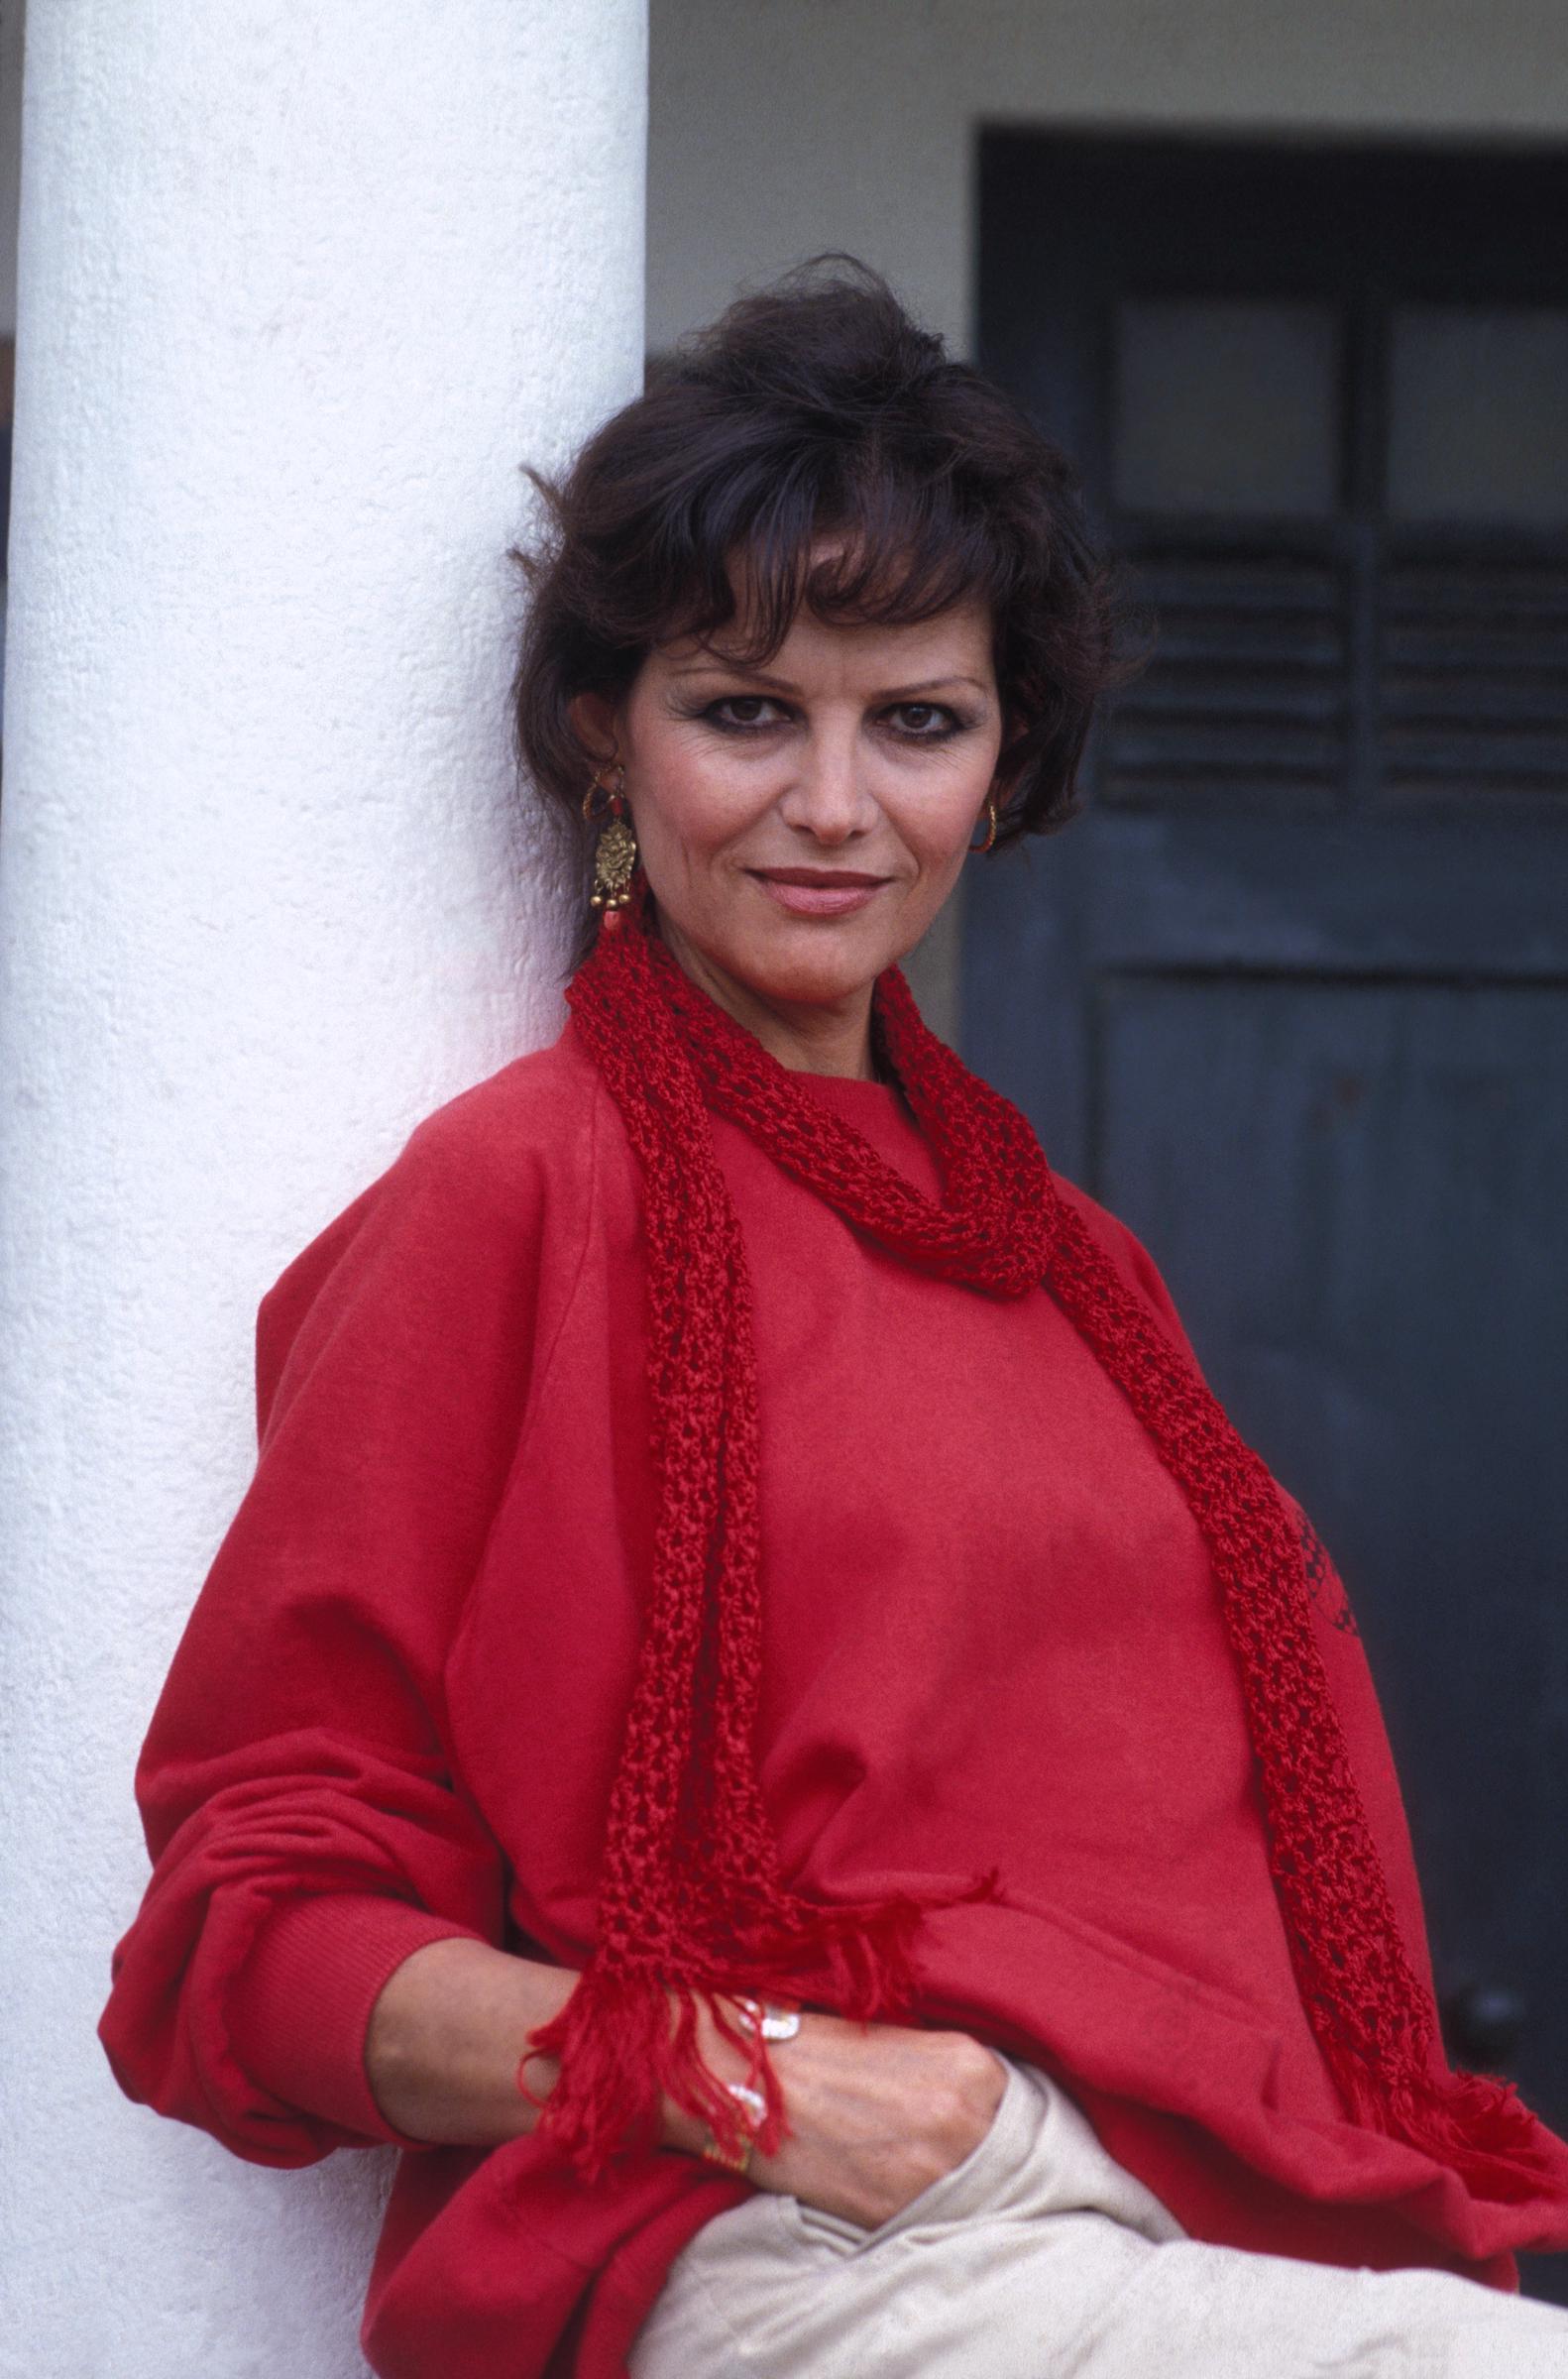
(992, 1640)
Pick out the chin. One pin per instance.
(808, 978)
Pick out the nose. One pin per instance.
(827, 797)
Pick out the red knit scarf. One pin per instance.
(692, 1903)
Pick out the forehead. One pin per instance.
(956, 642)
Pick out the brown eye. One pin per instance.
(925, 722)
(739, 711)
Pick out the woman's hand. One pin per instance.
(876, 2112)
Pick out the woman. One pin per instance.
(756, 1717)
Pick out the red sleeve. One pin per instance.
(296, 1786)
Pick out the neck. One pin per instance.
(807, 1038)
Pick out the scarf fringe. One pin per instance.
(1474, 2123)
(856, 1958)
(625, 2041)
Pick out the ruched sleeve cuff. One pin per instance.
(300, 2012)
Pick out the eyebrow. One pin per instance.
(782, 684)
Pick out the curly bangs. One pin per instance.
(818, 410)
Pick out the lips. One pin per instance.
(818, 892)
(816, 875)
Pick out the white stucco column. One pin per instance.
(302, 284)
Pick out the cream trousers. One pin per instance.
(1039, 2257)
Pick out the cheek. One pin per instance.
(937, 828)
(689, 809)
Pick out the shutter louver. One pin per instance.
(1245, 693)
(1474, 676)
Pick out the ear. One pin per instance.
(1014, 724)
(593, 718)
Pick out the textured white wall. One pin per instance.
(779, 127)
(301, 285)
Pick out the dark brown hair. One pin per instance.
(818, 406)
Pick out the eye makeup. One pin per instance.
(710, 713)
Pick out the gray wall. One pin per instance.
(778, 127)
(782, 126)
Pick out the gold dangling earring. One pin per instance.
(615, 851)
(991, 837)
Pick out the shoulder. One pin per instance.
(1131, 1258)
(527, 1129)
(1107, 1228)
(524, 1131)
(492, 1187)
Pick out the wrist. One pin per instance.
(678, 2126)
(681, 2130)
(735, 2068)
(445, 2037)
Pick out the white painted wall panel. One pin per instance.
(301, 285)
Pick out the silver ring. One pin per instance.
(773, 2023)
(754, 2104)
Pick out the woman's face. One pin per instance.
(801, 825)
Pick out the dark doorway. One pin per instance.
(1293, 996)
